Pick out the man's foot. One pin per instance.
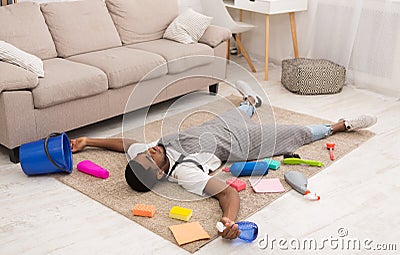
(360, 122)
(246, 91)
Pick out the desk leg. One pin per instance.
(294, 34)
(228, 53)
(266, 45)
(239, 35)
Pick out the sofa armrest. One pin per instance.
(16, 78)
(214, 35)
(17, 118)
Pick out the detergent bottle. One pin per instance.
(249, 168)
(88, 167)
(248, 230)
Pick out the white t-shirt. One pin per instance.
(186, 174)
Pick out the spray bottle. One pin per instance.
(299, 183)
(248, 230)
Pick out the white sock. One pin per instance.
(245, 89)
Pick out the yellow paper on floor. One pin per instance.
(188, 232)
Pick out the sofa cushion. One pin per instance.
(141, 20)
(214, 35)
(14, 78)
(188, 27)
(171, 50)
(124, 66)
(65, 81)
(23, 26)
(80, 27)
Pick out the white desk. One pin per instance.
(270, 7)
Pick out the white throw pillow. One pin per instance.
(187, 27)
(13, 55)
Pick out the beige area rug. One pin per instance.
(117, 195)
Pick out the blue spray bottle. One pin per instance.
(248, 230)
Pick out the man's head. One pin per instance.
(148, 167)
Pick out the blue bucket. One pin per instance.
(50, 155)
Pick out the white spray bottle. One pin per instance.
(299, 183)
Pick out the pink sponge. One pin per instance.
(236, 184)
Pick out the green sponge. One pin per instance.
(272, 164)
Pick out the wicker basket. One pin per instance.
(312, 76)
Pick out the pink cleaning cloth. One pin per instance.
(267, 185)
(88, 167)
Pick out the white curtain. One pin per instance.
(362, 35)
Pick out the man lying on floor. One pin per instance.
(188, 157)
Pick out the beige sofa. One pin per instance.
(95, 55)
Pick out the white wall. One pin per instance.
(185, 4)
(44, 1)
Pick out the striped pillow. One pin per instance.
(187, 27)
(13, 55)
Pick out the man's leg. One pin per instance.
(272, 140)
(245, 89)
(321, 131)
(247, 106)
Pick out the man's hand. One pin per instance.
(78, 144)
(231, 229)
(114, 144)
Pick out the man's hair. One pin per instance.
(139, 178)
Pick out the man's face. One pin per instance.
(154, 159)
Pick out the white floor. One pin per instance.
(360, 193)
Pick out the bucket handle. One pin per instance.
(46, 149)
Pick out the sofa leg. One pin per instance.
(213, 89)
(14, 155)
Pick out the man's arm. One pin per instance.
(114, 144)
(229, 202)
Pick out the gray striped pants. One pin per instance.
(233, 136)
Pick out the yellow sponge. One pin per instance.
(180, 213)
(144, 210)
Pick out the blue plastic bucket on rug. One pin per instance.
(50, 155)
